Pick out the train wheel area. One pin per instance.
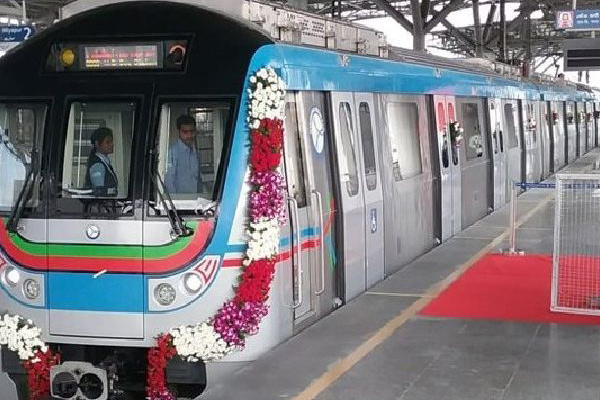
(389, 344)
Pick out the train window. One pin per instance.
(510, 126)
(190, 146)
(293, 153)
(97, 152)
(21, 127)
(570, 114)
(348, 169)
(403, 120)
(473, 136)
(366, 134)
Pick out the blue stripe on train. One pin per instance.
(109, 292)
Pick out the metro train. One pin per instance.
(384, 159)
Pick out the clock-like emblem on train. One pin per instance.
(317, 129)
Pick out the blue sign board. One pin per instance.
(16, 33)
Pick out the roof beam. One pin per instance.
(488, 23)
(526, 11)
(461, 37)
(10, 11)
(397, 15)
(442, 14)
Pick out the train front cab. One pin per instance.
(106, 264)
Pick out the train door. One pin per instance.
(558, 134)
(545, 137)
(596, 124)
(498, 152)
(94, 219)
(412, 195)
(350, 190)
(312, 206)
(589, 121)
(512, 132)
(450, 169)
(532, 149)
(572, 132)
(581, 129)
(475, 160)
(372, 191)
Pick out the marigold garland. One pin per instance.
(240, 317)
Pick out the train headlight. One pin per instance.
(12, 276)
(31, 289)
(192, 282)
(165, 294)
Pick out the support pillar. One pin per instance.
(418, 32)
(478, 32)
(503, 30)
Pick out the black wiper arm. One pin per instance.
(24, 194)
(177, 223)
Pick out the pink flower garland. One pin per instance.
(236, 321)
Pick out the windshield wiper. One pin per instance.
(24, 194)
(177, 224)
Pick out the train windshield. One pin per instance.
(190, 148)
(97, 152)
(21, 127)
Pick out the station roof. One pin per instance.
(536, 38)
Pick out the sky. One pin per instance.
(398, 36)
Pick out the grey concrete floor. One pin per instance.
(435, 358)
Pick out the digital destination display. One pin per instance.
(122, 56)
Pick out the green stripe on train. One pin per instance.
(102, 251)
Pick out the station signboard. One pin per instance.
(583, 20)
(15, 33)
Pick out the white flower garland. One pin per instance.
(199, 342)
(264, 240)
(267, 99)
(21, 336)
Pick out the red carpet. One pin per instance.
(501, 287)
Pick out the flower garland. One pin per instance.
(21, 336)
(241, 316)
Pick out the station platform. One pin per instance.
(394, 343)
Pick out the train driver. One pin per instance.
(183, 163)
(100, 175)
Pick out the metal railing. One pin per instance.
(576, 259)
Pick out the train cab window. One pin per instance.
(473, 135)
(21, 128)
(348, 168)
(366, 132)
(190, 146)
(403, 125)
(510, 126)
(97, 152)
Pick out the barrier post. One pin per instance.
(512, 250)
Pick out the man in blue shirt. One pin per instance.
(183, 164)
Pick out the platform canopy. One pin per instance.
(530, 34)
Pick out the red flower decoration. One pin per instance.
(267, 140)
(255, 281)
(158, 357)
(38, 373)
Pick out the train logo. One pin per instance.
(317, 129)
